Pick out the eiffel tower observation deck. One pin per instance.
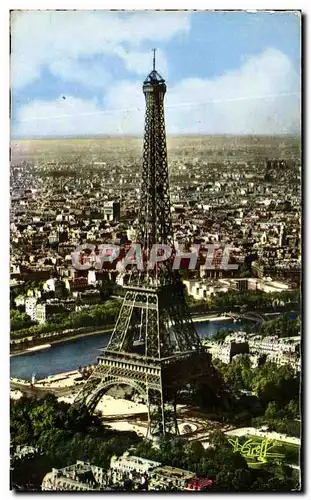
(154, 347)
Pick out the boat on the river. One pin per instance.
(39, 348)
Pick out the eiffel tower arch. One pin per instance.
(154, 347)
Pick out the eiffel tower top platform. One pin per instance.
(154, 78)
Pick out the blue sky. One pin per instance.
(231, 73)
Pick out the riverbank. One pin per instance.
(195, 319)
(65, 339)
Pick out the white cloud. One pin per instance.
(141, 62)
(73, 116)
(48, 38)
(90, 75)
(259, 98)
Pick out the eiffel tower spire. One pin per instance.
(155, 223)
(154, 346)
(154, 51)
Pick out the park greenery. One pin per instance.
(20, 320)
(281, 327)
(243, 301)
(282, 420)
(273, 393)
(268, 382)
(64, 434)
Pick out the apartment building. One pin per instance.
(81, 476)
(131, 467)
(166, 478)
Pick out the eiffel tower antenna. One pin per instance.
(154, 347)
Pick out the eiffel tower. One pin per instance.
(154, 347)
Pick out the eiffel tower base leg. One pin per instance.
(162, 417)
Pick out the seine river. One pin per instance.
(84, 351)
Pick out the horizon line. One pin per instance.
(139, 136)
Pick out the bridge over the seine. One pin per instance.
(250, 316)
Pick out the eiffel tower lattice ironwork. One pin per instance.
(154, 346)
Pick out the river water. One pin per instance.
(84, 351)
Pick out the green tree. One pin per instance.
(271, 410)
(292, 409)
